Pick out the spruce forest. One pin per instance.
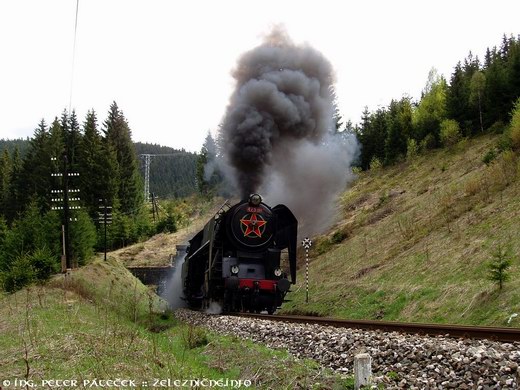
(480, 96)
(103, 169)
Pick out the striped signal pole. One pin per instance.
(307, 243)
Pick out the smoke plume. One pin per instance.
(173, 293)
(278, 130)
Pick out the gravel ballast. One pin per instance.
(399, 361)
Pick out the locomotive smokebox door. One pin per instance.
(251, 225)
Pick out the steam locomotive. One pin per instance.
(235, 259)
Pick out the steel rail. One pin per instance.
(461, 331)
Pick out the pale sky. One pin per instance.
(167, 63)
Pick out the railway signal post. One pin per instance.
(307, 243)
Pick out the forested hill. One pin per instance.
(172, 174)
(12, 144)
(172, 171)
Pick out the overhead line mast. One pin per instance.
(147, 160)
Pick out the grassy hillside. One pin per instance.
(192, 214)
(414, 239)
(102, 323)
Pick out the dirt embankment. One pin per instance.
(158, 250)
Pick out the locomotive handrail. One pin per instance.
(198, 250)
(221, 210)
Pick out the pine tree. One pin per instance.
(202, 160)
(477, 87)
(73, 140)
(399, 130)
(82, 237)
(496, 104)
(513, 70)
(95, 175)
(14, 206)
(118, 137)
(372, 134)
(456, 100)
(208, 176)
(498, 267)
(35, 178)
(5, 180)
(56, 141)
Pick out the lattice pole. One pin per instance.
(147, 159)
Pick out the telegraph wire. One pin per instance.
(73, 56)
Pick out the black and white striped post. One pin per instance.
(307, 243)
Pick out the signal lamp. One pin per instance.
(255, 199)
(234, 269)
(278, 272)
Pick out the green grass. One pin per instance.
(100, 322)
(415, 241)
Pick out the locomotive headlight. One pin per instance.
(234, 269)
(255, 199)
(278, 272)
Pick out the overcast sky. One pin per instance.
(167, 63)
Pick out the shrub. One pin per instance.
(356, 170)
(472, 186)
(44, 263)
(338, 236)
(504, 142)
(495, 177)
(322, 245)
(489, 156)
(497, 128)
(82, 237)
(375, 164)
(168, 224)
(450, 132)
(194, 337)
(383, 198)
(503, 171)
(508, 164)
(20, 274)
(515, 126)
(515, 138)
(411, 149)
(428, 142)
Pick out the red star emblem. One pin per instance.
(252, 225)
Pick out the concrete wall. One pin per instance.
(157, 276)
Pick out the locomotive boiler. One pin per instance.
(235, 260)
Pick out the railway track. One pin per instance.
(464, 331)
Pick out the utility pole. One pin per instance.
(66, 209)
(155, 208)
(105, 218)
(64, 192)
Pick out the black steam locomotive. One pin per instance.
(235, 259)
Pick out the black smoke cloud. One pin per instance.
(278, 130)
